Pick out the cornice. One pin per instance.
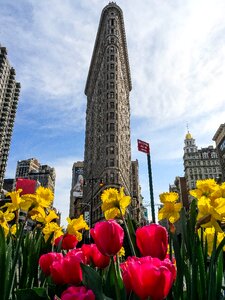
(97, 45)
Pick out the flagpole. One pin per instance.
(151, 187)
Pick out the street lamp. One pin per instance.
(89, 205)
(93, 180)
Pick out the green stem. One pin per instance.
(13, 269)
(116, 279)
(129, 237)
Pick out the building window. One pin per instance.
(111, 115)
(112, 137)
(112, 75)
(111, 162)
(111, 150)
(111, 85)
(112, 177)
(112, 57)
(112, 49)
(106, 163)
(111, 94)
(112, 66)
(111, 126)
(112, 105)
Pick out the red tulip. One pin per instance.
(58, 272)
(94, 256)
(125, 273)
(152, 240)
(68, 270)
(46, 260)
(151, 277)
(108, 237)
(69, 241)
(77, 293)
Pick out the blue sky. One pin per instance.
(177, 59)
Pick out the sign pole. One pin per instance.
(144, 147)
(151, 187)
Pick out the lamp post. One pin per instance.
(89, 205)
(93, 180)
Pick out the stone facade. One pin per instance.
(219, 138)
(199, 163)
(9, 95)
(107, 142)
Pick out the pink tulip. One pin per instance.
(46, 260)
(68, 241)
(150, 277)
(77, 293)
(94, 256)
(152, 240)
(108, 237)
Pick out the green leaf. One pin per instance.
(202, 274)
(2, 262)
(219, 276)
(34, 294)
(92, 280)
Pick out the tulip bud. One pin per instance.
(77, 293)
(69, 241)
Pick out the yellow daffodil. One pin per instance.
(121, 253)
(44, 196)
(219, 191)
(170, 197)
(209, 235)
(114, 203)
(204, 188)
(13, 229)
(30, 201)
(50, 228)
(39, 214)
(4, 219)
(170, 209)
(210, 210)
(16, 201)
(75, 225)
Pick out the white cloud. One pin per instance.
(176, 52)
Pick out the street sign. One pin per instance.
(143, 146)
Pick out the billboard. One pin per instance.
(78, 182)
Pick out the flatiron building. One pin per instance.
(107, 157)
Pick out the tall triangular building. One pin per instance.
(107, 143)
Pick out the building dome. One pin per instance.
(188, 136)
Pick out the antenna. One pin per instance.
(187, 127)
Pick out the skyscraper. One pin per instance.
(9, 95)
(107, 142)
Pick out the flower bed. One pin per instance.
(121, 262)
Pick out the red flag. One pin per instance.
(143, 146)
(27, 185)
